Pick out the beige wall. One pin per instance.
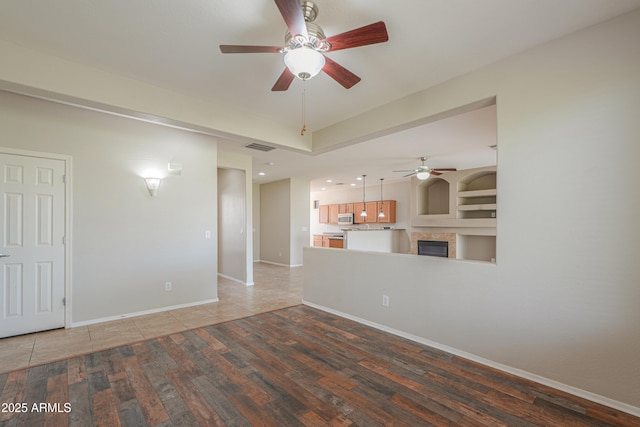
(256, 222)
(563, 301)
(232, 224)
(126, 244)
(275, 222)
(27, 71)
(284, 221)
(299, 195)
(243, 162)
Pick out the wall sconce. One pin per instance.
(152, 185)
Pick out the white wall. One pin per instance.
(125, 243)
(563, 302)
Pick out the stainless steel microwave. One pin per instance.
(345, 218)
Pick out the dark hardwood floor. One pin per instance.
(295, 366)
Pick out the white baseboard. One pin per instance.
(620, 406)
(235, 280)
(140, 313)
(282, 265)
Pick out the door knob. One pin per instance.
(4, 255)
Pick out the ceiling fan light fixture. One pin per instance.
(304, 62)
(422, 175)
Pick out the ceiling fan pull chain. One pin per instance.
(304, 112)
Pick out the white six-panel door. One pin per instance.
(31, 242)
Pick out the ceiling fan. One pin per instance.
(306, 44)
(423, 171)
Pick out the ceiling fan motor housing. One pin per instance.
(316, 35)
(315, 32)
(309, 10)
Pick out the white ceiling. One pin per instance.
(174, 44)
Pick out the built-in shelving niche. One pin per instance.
(477, 196)
(477, 248)
(462, 202)
(432, 197)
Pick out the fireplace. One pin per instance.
(433, 248)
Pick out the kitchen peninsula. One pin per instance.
(377, 240)
(365, 239)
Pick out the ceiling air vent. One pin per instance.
(259, 147)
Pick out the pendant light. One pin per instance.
(364, 206)
(381, 213)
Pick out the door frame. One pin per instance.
(68, 215)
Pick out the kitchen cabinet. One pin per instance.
(324, 214)
(336, 243)
(388, 207)
(321, 241)
(329, 213)
(372, 212)
(333, 214)
(357, 208)
(345, 208)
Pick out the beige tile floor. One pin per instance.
(275, 287)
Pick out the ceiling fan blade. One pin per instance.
(294, 18)
(340, 74)
(369, 34)
(434, 172)
(405, 170)
(284, 81)
(445, 169)
(411, 174)
(232, 48)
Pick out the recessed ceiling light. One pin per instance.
(323, 188)
(261, 173)
(353, 185)
(329, 180)
(359, 178)
(269, 163)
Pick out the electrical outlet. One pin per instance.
(385, 300)
(167, 286)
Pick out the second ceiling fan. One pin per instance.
(306, 45)
(423, 171)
